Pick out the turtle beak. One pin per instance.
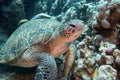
(77, 28)
(80, 27)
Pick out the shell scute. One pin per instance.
(30, 33)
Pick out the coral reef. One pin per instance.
(85, 63)
(106, 52)
(96, 65)
(107, 22)
(104, 56)
(105, 72)
(116, 54)
(106, 47)
(97, 55)
(64, 10)
(12, 13)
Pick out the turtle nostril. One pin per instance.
(73, 31)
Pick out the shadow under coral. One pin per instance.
(16, 73)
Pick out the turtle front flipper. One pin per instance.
(47, 69)
(69, 60)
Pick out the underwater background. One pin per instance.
(97, 48)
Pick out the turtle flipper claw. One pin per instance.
(47, 69)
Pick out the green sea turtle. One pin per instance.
(37, 42)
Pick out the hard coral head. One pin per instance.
(71, 30)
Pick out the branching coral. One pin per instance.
(106, 47)
(107, 19)
(105, 72)
(116, 54)
(98, 63)
(91, 64)
(85, 62)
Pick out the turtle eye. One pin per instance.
(72, 25)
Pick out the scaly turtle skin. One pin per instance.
(37, 42)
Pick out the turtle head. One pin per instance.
(71, 30)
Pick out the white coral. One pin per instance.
(106, 72)
(116, 54)
(106, 46)
(109, 59)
